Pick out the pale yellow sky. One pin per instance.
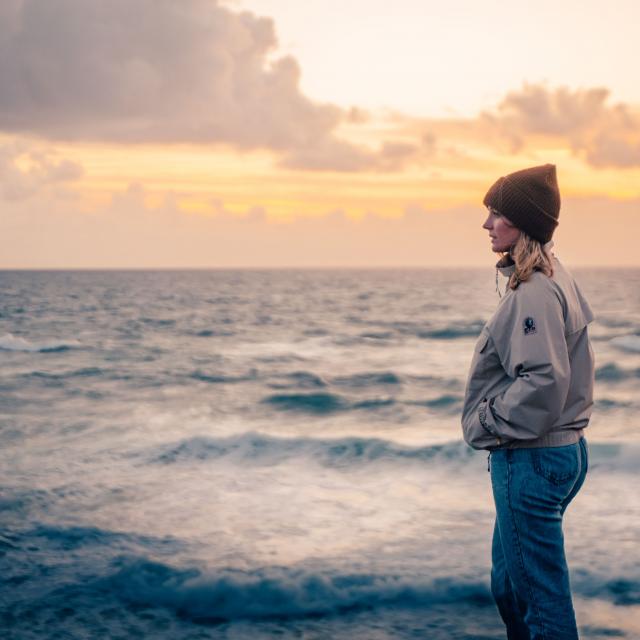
(436, 59)
(269, 133)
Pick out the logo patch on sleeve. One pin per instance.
(529, 326)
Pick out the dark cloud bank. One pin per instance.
(163, 71)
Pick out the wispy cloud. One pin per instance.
(533, 118)
(128, 231)
(605, 135)
(25, 170)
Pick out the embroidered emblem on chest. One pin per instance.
(529, 326)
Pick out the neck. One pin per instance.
(505, 261)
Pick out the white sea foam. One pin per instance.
(282, 592)
(9, 342)
(257, 448)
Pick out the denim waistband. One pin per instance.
(552, 439)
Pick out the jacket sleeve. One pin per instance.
(530, 340)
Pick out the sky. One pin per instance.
(324, 133)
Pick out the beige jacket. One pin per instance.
(531, 378)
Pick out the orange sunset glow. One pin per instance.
(262, 133)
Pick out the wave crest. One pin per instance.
(261, 449)
(324, 402)
(339, 452)
(280, 592)
(9, 342)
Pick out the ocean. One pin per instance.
(253, 454)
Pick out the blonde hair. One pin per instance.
(529, 255)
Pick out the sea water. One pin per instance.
(277, 453)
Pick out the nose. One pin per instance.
(488, 223)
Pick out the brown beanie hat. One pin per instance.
(530, 199)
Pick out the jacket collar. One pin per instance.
(506, 266)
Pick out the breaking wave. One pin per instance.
(280, 592)
(263, 449)
(319, 403)
(342, 452)
(84, 372)
(229, 594)
(324, 402)
(9, 342)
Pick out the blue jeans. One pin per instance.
(529, 574)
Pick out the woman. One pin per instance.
(528, 400)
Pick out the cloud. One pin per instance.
(161, 71)
(130, 232)
(25, 171)
(338, 155)
(49, 232)
(605, 135)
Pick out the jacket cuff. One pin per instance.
(483, 418)
(476, 434)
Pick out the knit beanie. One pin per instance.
(530, 199)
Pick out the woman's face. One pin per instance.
(502, 233)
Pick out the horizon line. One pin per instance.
(301, 267)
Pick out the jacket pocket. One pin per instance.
(558, 465)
